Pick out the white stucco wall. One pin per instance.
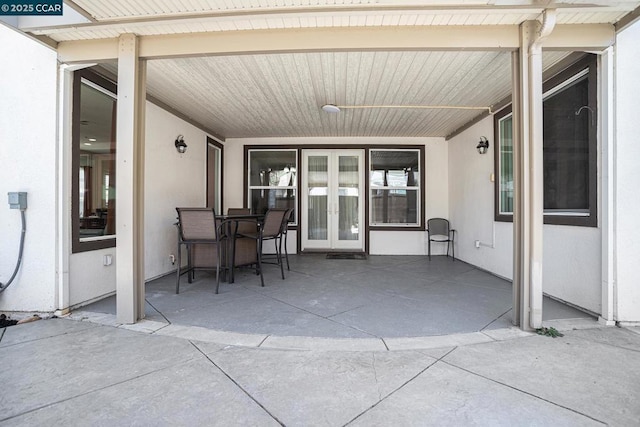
(572, 255)
(471, 203)
(171, 180)
(381, 242)
(28, 151)
(627, 178)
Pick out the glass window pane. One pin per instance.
(262, 200)
(403, 164)
(96, 146)
(272, 168)
(272, 180)
(506, 164)
(399, 172)
(567, 120)
(394, 207)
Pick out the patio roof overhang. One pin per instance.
(327, 53)
(511, 28)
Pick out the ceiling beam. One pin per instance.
(585, 37)
(472, 38)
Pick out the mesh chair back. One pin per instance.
(438, 227)
(197, 223)
(273, 222)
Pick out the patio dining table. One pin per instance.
(239, 251)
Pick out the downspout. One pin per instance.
(536, 165)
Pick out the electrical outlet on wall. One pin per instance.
(172, 258)
(477, 243)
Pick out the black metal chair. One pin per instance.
(244, 249)
(288, 217)
(204, 239)
(438, 230)
(270, 229)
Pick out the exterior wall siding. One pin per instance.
(627, 178)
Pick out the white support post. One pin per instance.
(520, 250)
(607, 215)
(129, 172)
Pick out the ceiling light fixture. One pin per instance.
(330, 108)
(92, 139)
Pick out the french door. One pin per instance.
(332, 204)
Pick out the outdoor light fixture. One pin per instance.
(181, 146)
(483, 145)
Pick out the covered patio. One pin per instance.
(382, 297)
(217, 104)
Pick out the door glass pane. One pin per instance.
(318, 192)
(348, 196)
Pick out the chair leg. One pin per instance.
(232, 264)
(259, 245)
(218, 270)
(178, 271)
(279, 255)
(453, 251)
(286, 252)
(190, 274)
(429, 246)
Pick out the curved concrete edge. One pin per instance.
(301, 343)
(323, 344)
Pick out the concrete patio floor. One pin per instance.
(381, 301)
(81, 373)
(384, 342)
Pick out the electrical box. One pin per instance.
(17, 200)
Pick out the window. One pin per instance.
(569, 149)
(273, 180)
(394, 185)
(93, 162)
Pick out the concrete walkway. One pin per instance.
(82, 373)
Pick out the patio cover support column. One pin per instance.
(130, 185)
(608, 213)
(528, 215)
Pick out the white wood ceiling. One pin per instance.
(280, 95)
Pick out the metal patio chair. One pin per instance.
(270, 229)
(439, 230)
(204, 238)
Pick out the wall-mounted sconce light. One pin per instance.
(181, 146)
(483, 145)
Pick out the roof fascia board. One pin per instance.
(628, 20)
